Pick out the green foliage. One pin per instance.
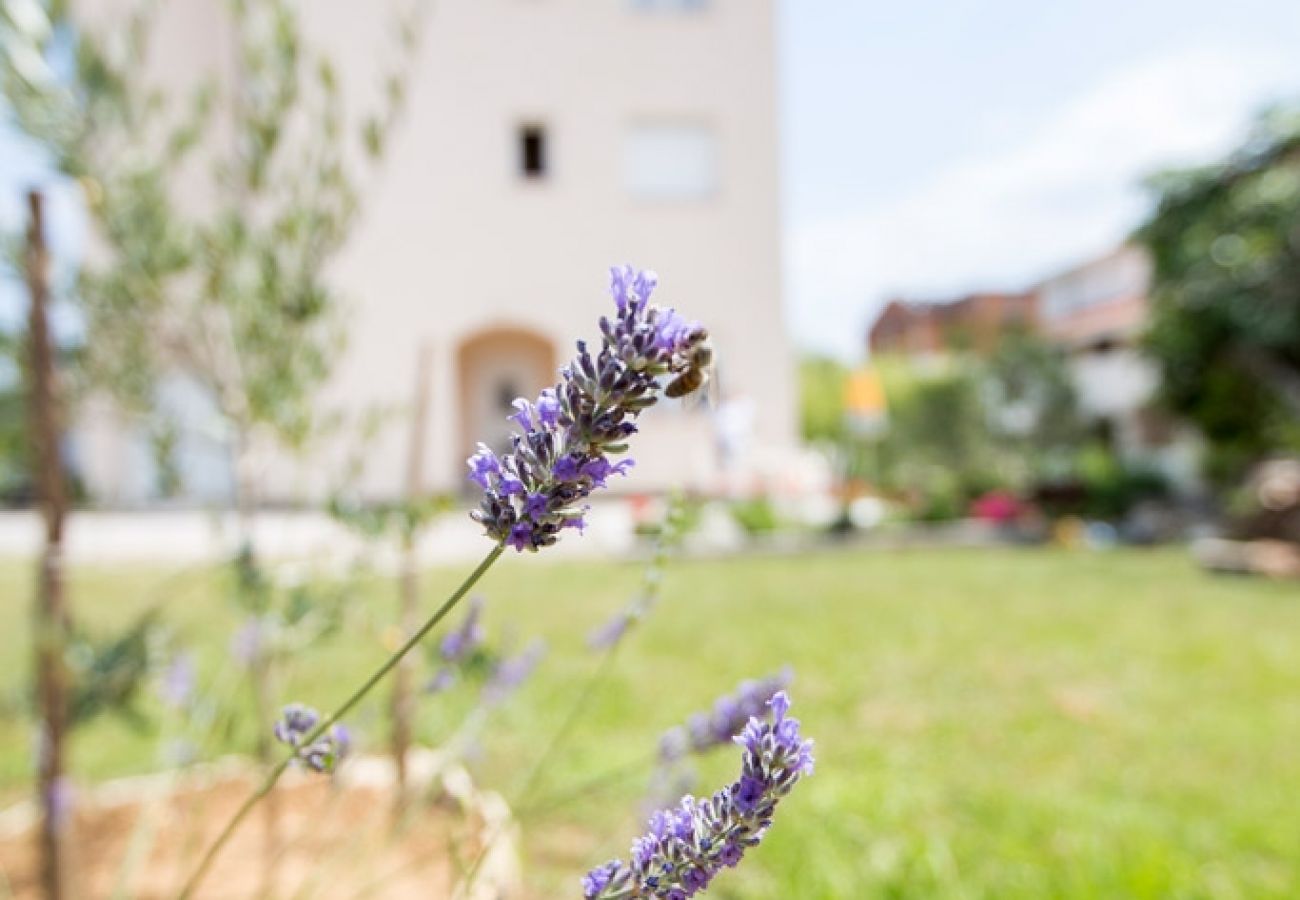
(15, 480)
(108, 673)
(964, 425)
(756, 516)
(681, 518)
(290, 616)
(1225, 330)
(1108, 488)
(1034, 409)
(821, 400)
(222, 292)
(402, 519)
(939, 442)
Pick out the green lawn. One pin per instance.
(996, 724)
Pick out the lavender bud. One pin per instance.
(178, 681)
(323, 754)
(716, 728)
(513, 672)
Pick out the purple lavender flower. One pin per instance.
(566, 438)
(483, 465)
(178, 681)
(685, 848)
(704, 731)
(512, 672)
(247, 643)
(611, 632)
(60, 800)
(598, 879)
(442, 680)
(323, 754)
(296, 721)
(457, 647)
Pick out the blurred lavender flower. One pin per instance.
(61, 799)
(609, 634)
(568, 436)
(178, 681)
(704, 731)
(457, 648)
(325, 752)
(442, 680)
(246, 645)
(512, 672)
(459, 644)
(686, 847)
(295, 723)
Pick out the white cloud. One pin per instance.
(1069, 190)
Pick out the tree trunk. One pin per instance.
(403, 699)
(53, 620)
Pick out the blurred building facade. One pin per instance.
(542, 142)
(974, 322)
(1095, 313)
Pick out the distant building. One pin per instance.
(974, 322)
(1100, 304)
(1095, 313)
(542, 143)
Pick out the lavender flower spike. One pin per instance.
(686, 847)
(704, 731)
(178, 681)
(513, 672)
(457, 647)
(321, 755)
(568, 435)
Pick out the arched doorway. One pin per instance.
(494, 367)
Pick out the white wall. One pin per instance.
(1113, 383)
(453, 240)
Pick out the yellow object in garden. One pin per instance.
(865, 405)
(864, 394)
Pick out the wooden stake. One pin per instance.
(52, 618)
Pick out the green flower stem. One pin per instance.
(652, 583)
(594, 785)
(328, 721)
(576, 712)
(533, 779)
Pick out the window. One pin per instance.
(532, 151)
(671, 161)
(507, 391)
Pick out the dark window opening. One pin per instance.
(507, 391)
(532, 151)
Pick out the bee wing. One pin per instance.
(706, 396)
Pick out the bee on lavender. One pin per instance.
(698, 373)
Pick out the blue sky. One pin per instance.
(930, 148)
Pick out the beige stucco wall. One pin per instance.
(453, 241)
